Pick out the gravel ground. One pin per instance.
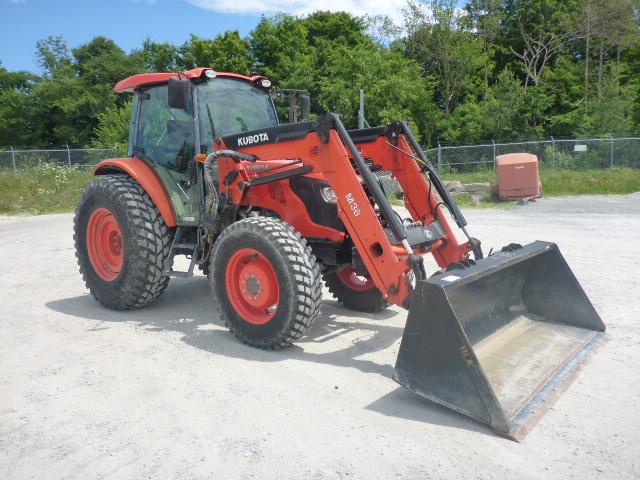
(166, 392)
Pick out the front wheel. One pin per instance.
(265, 281)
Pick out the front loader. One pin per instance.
(268, 210)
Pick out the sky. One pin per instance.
(130, 22)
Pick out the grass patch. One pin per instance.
(472, 177)
(48, 188)
(591, 182)
(555, 183)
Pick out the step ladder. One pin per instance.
(178, 247)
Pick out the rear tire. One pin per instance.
(355, 292)
(121, 243)
(265, 282)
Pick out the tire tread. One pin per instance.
(298, 255)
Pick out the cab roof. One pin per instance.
(130, 84)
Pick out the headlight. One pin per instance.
(328, 195)
(265, 82)
(210, 73)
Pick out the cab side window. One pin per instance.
(165, 135)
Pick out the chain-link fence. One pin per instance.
(561, 154)
(571, 154)
(20, 159)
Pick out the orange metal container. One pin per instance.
(518, 176)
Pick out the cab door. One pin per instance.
(166, 138)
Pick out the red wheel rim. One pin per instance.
(356, 282)
(252, 286)
(104, 244)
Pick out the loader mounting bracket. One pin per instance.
(323, 127)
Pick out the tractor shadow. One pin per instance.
(187, 307)
(344, 337)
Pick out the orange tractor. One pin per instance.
(269, 210)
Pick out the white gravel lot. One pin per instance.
(167, 392)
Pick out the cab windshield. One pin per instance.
(227, 106)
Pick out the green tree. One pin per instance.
(393, 86)
(613, 25)
(282, 51)
(488, 69)
(101, 62)
(113, 128)
(335, 27)
(227, 52)
(64, 105)
(160, 57)
(444, 49)
(507, 114)
(536, 33)
(610, 110)
(485, 17)
(18, 123)
(52, 53)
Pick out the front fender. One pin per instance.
(146, 177)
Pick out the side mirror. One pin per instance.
(305, 101)
(178, 93)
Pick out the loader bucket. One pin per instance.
(496, 339)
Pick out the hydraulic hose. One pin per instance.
(210, 164)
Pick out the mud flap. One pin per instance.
(495, 340)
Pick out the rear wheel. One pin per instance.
(265, 281)
(355, 291)
(121, 243)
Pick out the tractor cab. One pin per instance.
(176, 117)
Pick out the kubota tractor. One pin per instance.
(268, 210)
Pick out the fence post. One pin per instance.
(361, 110)
(611, 155)
(13, 159)
(68, 155)
(494, 153)
(439, 158)
(553, 152)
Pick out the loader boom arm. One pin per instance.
(394, 149)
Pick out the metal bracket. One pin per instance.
(323, 127)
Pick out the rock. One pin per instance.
(477, 187)
(454, 185)
(483, 195)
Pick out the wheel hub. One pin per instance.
(104, 244)
(253, 286)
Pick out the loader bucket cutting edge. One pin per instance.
(497, 340)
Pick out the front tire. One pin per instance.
(121, 243)
(265, 282)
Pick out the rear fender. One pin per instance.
(146, 177)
